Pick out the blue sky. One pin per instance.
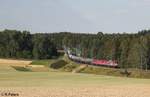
(109, 16)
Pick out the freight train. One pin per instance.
(90, 61)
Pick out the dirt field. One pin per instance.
(14, 62)
(59, 84)
(102, 91)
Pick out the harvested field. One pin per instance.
(101, 91)
(14, 62)
(4, 68)
(60, 84)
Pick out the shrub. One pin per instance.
(58, 64)
(21, 68)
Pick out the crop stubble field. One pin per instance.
(62, 84)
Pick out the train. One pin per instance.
(91, 61)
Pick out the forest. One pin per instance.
(17, 44)
(130, 50)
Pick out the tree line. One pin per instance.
(129, 50)
(17, 44)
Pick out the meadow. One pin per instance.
(55, 83)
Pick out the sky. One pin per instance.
(111, 16)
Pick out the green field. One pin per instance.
(25, 76)
(48, 79)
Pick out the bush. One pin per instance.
(21, 68)
(58, 64)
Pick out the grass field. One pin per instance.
(67, 84)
